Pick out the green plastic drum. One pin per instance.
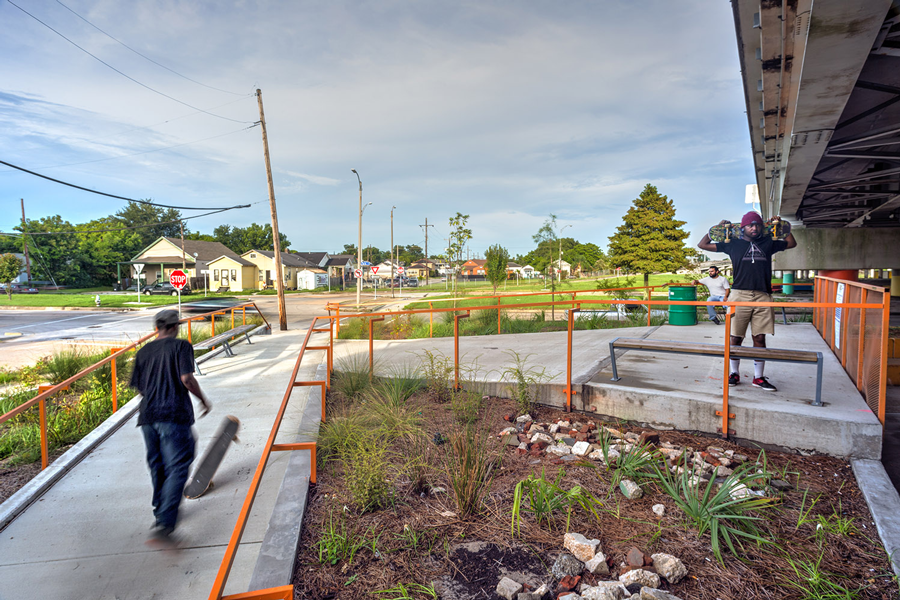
(682, 314)
(786, 289)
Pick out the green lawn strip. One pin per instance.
(67, 300)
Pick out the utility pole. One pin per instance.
(25, 241)
(359, 242)
(427, 269)
(183, 262)
(279, 278)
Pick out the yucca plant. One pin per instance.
(725, 513)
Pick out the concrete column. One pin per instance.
(895, 283)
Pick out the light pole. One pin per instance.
(359, 242)
(559, 264)
(392, 251)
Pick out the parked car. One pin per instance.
(18, 289)
(411, 282)
(166, 289)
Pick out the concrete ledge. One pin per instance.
(35, 488)
(884, 504)
(278, 552)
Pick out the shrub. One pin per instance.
(546, 497)
(470, 464)
(523, 381)
(437, 370)
(366, 473)
(351, 376)
(465, 406)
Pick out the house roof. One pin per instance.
(237, 259)
(287, 259)
(476, 261)
(513, 265)
(206, 251)
(314, 257)
(339, 260)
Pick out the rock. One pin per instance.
(648, 593)
(511, 440)
(524, 419)
(669, 567)
(570, 458)
(632, 437)
(614, 432)
(739, 458)
(604, 590)
(636, 558)
(542, 437)
(581, 547)
(597, 565)
(645, 578)
(509, 417)
(581, 448)
(649, 437)
(568, 583)
(659, 509)
(596, 455)
(569, 596)
(723, 471)
(559, 449)
(564, 425)
(508, 431)
(716, 449)
(508, 588)
(781, 485)
(630, 489)
(566, 564)
(554, 428)
(568, 440)
(537, 594)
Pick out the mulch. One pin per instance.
(420, 539)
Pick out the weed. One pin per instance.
(812, 583)
(727, 513)
(366, 472)
(465, 406)
(469, 467)
(338, 542)
(523, 381)
(804, 516)
(351, 376)
(404, 592)
(835, 523)
(437, 370)
(402, 382)
(546, 497)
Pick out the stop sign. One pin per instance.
(178, 279)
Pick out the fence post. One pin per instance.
(42, 409)
(114, 380)
(190, 340)
(456, 318)
(338, 319)
(724, 412)
(431, 319)
(498, 315)
(243, 315)
(862, 339)
(372, 344)
(330, 354)
(885, 327)
(571, 326)
(232, 317)
(212, 325)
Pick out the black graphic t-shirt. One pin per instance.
(158, 368)
(752, 262)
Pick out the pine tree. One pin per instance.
(650, 240)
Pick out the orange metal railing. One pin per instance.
(857, 336)
(46, 391)
(574, 305)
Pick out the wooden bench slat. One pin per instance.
(217, 339)
(716, 350)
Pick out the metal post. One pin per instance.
(882, 377)
(862, 340)
(431, 319)
(456, 318)
(359, 242)
(232, 317)
(571, 326)
(498, 315)
(727, 357)
(114, 380)
(42, 409)
(190, 339)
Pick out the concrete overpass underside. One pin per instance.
(822, 87)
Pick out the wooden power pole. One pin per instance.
(279, 278)
(25, 241)
(427, 268)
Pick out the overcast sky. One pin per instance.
(502, 110)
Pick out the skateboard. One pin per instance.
(776, 228)
(202, 479)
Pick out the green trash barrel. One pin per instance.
(682, 314)
(786, 289)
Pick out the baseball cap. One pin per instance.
(166, 318)
(751, 217)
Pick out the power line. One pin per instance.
(147, 57)
(130, 78)
(78, 187)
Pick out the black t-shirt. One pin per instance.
(158, 368)
(752, 262)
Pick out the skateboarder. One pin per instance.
(751, 256)
(718, 290)
(164, 374)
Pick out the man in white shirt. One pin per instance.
(718, 287)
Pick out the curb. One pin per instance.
(34, 489)
(884, 504)
(94, 308)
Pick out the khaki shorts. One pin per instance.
(761, 320)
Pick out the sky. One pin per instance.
(504, 110)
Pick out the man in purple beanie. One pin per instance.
(751, 257)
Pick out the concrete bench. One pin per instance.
(223, 339)
(675, 347)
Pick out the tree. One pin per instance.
(165, 221)
(252, 237)
(650, 240)
(497, 266)
(459, 236)
(547, 235)
(10, 267)
(58, 257)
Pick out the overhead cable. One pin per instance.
(130, 78)
(147, 57)
(147, 202)
(118, 228)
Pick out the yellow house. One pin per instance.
(165, 255)
(264, 260)
(232, 272)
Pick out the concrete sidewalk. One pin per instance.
(84, 538)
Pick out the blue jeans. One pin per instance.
(170, 452)
(712, 309)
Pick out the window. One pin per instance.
(234, 274)
(252, 256)
(260, 275)
(215, 274)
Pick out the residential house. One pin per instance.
(341, 266)
(384, 269)
(23, 275)
(472, 267)
(528, 272)
(232, 272)
(291, 265)
(514, 270)
(166, 255)
(562, 266)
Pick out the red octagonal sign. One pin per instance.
(178, 279)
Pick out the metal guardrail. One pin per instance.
(46, 391)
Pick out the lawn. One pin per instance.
(67, 299)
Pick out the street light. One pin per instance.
(359, 241)
(392, 251)
(559, 264)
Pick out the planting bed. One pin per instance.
(420, 545)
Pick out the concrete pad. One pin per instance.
(84, 538)
(684, 391)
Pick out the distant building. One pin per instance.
(166, 255)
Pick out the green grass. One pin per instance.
(87, 300)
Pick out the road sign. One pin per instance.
(358, 273)
(138, 267)
(374, 270)
(366, 263)
(399, 269)
(178, 279)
